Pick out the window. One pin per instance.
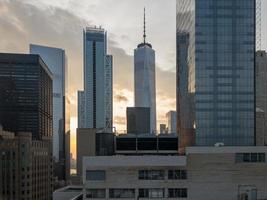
(121, 193)
(250, 157)
(151, 193)
(151, 174)
(177, 174)
(95, 193)
(177, 192)
(95, 175)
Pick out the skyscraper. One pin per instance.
(171, 121)
(26, 95)
(26, 104)
(218, 70)
(56, 61)
(144, 79)
(97, 80)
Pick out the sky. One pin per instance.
(59, 23)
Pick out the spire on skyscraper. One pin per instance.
(144, 34)
(144, 25)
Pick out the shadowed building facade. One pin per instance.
(26, 116)
(138, 120)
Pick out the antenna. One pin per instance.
(144, 25)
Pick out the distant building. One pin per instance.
(97, 80)
(163, 129)
(26, 111)
(171, 121)
(56, 60)
(216, 75)
(81, 109)
(144, 80)
(239, 173)
(138, 120)
(261, 97)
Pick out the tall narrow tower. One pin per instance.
(144, 78)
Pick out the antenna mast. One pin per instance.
(144, 25)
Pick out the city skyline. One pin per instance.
(66, 32)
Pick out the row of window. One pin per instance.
(250, 157)
(142, 193)
(100, 175)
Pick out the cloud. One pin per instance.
(22, 23)
(120, 98)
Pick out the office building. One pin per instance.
(97, 80)
(26, 113)
(26, 95)
(138, 120)
(171, 121)
(218, 39)
(261, 97)
(56, 60)
(203, 173)
(144, 80)
(81, 109)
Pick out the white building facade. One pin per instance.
(204, 173)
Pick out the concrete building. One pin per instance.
(56, 60)
(261, 133)
(93, 142)
(203, 173)
(97, 80)
(171, 121)
(138, 120)
(218, 39)
(261, 97)
(69, 193)
(26, 167)
(144, 80)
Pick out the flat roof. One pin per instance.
(226, 149)
(68, 193)
(133, 161)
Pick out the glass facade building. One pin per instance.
(56, 61)
(97, 80)
(217, 71)
(26, 95)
